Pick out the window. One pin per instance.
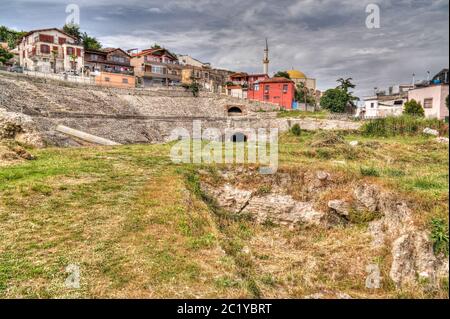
(158, 69)
(372, 105)
(398, 102)
(428, 104)
(266, 88)
(45, 49)
(285, 88)
(256, 87)
(266, 97)
(70, 51)
(125, 81)
(94, 57)
(118, 59)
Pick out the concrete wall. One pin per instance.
(436, 92)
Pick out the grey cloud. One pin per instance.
(326, 39)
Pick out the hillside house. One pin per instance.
(50, 50)
(157, 66)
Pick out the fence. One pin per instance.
(62, 77)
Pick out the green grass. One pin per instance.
(140, 226)
(322, 114)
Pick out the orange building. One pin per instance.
(116, 80)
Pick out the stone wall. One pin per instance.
(136, 115)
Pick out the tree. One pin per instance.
(414, 108)
(346, 84)
(90, 43)
(74, 59)
(5, 56)
(282, 74)
(303, 94)
(156, 46)
(54, 55)
(73, 30)
(334, 100)
(10, 36)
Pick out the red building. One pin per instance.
(279, 91)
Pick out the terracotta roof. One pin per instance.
(50, 29)
(151, 51)
(238, 74)
(277, 80)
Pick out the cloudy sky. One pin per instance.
(326, 39)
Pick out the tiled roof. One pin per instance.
(277, 80)
(50, 29)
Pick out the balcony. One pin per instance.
(162, 76)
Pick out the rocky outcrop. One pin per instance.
(413, 258)
(19, 127)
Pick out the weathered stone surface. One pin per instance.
(442, 140)
(413, 258)
(232, 199)
(367, 196)
(282, 210)
(430, 131)
(339, 206)
(354, 143)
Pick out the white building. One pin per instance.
(188, 60)
(385, 103)
(48, 50)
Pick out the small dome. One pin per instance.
(295, 74)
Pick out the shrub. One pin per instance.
(414, 108)
(401, 125)
(369, 171)
(334, 100)
(296, 130)
(439, 236)
(327, 138)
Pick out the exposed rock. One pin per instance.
(354, 143)
(328, 295)
(31, 139)
(367, 196)
(442, 140)
(430, 131)
(282, 210)
(232, 199)
(322, 176)
(413, 258)
(339, 206)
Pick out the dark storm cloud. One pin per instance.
(326, 39)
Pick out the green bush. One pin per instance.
(402, 125)
(296, 130)
(439, 236)
(370, 171)
(414, 108)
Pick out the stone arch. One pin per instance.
(239, 137)
(235, 111)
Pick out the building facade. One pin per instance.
(211, 80)
(433, 99)
(157, 67)
(110, 60)
(278, 91)
(50, 50)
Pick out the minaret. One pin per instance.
(266, 58)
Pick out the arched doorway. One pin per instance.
(234, 111)
(239, 138)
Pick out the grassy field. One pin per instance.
(134, 224)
